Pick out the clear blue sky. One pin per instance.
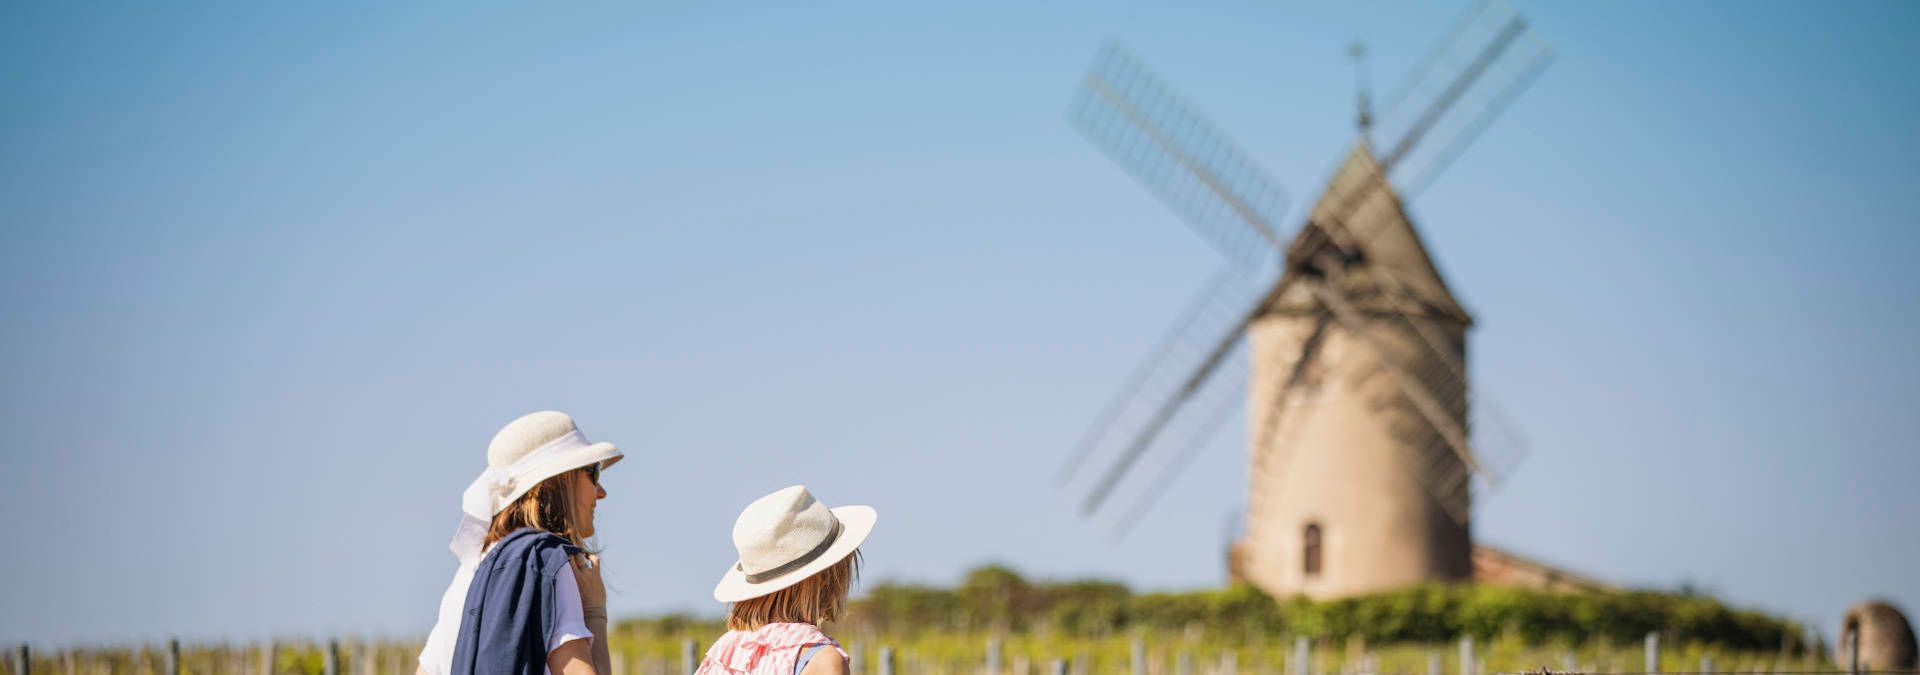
(273, 275)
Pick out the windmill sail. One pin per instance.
(1464, 83)
(1180, 372)
(1182, 158)
(1207, 318)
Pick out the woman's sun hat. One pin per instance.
(787, 536)
(527, 451)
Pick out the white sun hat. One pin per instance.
(527, 451)
(787, 536)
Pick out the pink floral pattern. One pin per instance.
(771, 650)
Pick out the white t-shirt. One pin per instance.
(570, 621)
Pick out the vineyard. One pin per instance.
(994, 616)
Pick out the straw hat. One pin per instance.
(539, 446)
(787, 536)
(527, 451)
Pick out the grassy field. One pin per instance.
(655, 649)
(1094, 624)
(964, 652)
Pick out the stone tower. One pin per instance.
(1342, 493)
(1886, 639)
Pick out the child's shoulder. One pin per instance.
(826, 662)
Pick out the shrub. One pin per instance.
(996, 599)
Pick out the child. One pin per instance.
(798, 559)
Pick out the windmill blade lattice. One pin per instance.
(1211, 409)
(1465, 81)
(1185, 332)
(1179, 372)
(1485, 105)
(1182, 158)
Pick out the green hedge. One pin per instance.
(994, 598)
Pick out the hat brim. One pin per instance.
(856, 522)
(602, 453)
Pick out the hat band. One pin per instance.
(797, 563)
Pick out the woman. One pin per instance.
(537, 604)
(798, 559)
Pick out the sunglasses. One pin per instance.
(593, 473)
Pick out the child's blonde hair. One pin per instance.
(816, 599)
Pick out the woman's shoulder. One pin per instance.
(535, 538)
(546, 551)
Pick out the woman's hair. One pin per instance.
(548, 506)
(815, 600)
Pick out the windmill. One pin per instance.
(1366, 442)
